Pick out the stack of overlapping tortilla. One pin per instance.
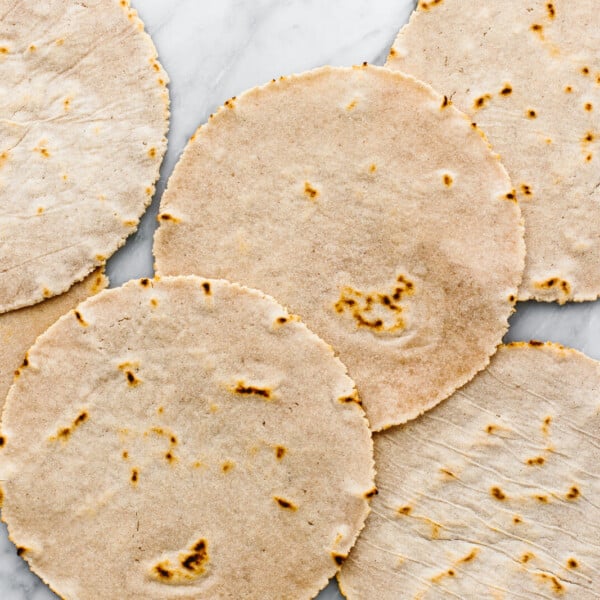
(188, 436)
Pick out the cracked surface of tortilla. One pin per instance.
(494, 493)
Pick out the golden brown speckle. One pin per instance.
(206, 287)
(541, 498)
(21, 550)
(280, 452)
(370, 493)
(405, 510)
(445, 102)
(167, 217)
(4, 50)
(506, 90)
(152, 153)
(568, 89)
(538, 30)
(482, 101)
(531, 113)
(538, 461)
(285, 503)
(551, 10)
(227, 466)
(447, 180)
(525, 558)
(135, 474)
(557, 587)
(125, 455)
(132, 380)
(573, 493)
(310, 191)
(572, 563)
(338, 558)
(2, 441)
(588, 106)
(517, 520)
(373, 168)
(251, 390)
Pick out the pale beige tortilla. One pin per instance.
(493, 494)
(528, 73)
(356, 197)
(20, 328)
(83, 117)
(185, 438)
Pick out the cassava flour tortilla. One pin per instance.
(528, 73)
(368, 206)
(83, 118)
(20, 328)
(493, 494)
(184, 438)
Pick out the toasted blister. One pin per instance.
(368, 205)
(529, 75)
(175, 438)
(494, 493)
(83, 119)
(20, 328)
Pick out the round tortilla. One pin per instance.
(528, 74)
(494, 494)
(83, 118)
(184, 438)
(20, 328)
(368, 206)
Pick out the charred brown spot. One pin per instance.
(506, 90)
(537, 461)
(482, 101)
(572, 563)
(170, 457)
(393, 52)
(310, 191)
(497, 493)
(163, 572)
(512, 298)
(531, 113)
(589, 137)
(405, 510)
(546, 425)
(25, 362)
(197, 558)
(21, 550)
(573, 493)
(448, 180)
(551, 10)
(585, 71)
(491, 429)
(588, 106)
(252, 390)
(445, 101)
(167, 217)
(280, 452)
(511, 196)
(145, 282)
(81, 418)
(125, 455)
(227, 466)
(351, 398)
(132, 380)
(135, 474)
(536, 343)
(338, 558)
(2, 441)
(568, 89)
(80, 319)
(537, 29)
(471, 556)
(526, 189)
(206, 287)
(285, 503)
(282, 320)
(542, 498)
(517, 520)
(370, 493)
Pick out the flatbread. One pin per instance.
(356, 197)
(528, 74)
(184, 438)
(20, 328)
(83, 117)
(493, 494)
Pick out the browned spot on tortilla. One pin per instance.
(338, 558)
(80, 318)
(154, 302)
(373, 168)
(445, 102)
(542, 498)
(448, 180)
(197, 558)
(557, 586)
(538, 461)
(469, 557)
(507, 90)
(482, 101)
(135, 475)
(551, 10)
(21, 550)
(538, 30)
(568, 89)
(588, 106)
(546, 425)
(531, 113)
(167, 217)
(280, 452)
(517, 520)
(536, 343)
(132, 380)
(352, 105)
(285, 503)
(525, 558)
(310, 191)
(497, 493)
(393, 52)
(206, 287)
(252, 390)
(145, 282)
(572, 563)
(573, 493)
(162, 571)
(227, 466)
(405, 510)
(448, 474)
(65, 432)
(152, 153)
(353, 397)
(370, 493)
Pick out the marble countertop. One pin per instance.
(215, 49)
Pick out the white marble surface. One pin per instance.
(215, 49)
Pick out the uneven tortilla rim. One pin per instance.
(259, 295)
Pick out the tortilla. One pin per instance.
(356, 197)
(20, 328)
(184, 438)
(528, 74)
(494, 494)
(83, 117)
